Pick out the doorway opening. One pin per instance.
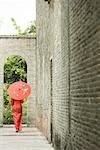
(51, 120)
(15, 69)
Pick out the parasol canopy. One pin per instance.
(19, 90)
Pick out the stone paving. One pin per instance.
(28, 139)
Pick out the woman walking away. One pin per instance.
(17, 113)
(18, 91)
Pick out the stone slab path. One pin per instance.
(28, 139)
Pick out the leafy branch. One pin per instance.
(30, 30)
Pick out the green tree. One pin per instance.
(15, 69)
(30, 30)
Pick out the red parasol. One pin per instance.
(19, 90)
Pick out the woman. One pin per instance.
(17, 113)
(18, 91)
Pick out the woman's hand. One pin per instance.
(25, 99)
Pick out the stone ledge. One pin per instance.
(17, 37)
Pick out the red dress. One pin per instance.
(17, 113)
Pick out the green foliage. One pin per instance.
(30, 30)
(7, 113)
(15, 69)
(25, 112)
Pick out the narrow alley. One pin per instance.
(61, 63)
(28, 139)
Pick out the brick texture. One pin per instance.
(68, 32)
(85, 74)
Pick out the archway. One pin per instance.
(15, 69)
(26, 48)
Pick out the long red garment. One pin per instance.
(17, 113)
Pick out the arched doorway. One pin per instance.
(15, 69)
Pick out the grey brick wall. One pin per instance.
(60, 76)
(26, 48)
(43, 68)
(85, 73)
(68, 31)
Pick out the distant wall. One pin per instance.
(26, 48)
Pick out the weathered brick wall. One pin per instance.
(85, 73)
(60, 76)
(43, 68)
(26, 48)
(50, 45)
(73, 44)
